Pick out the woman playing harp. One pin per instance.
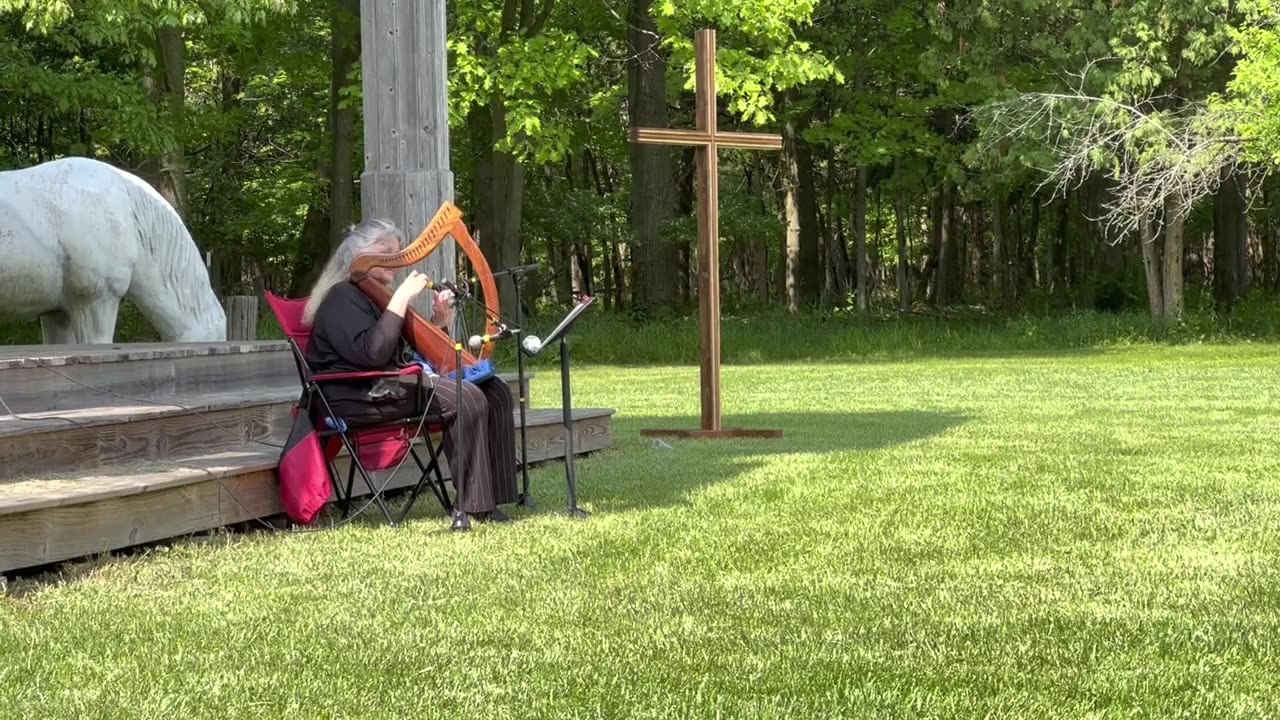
(349, 333)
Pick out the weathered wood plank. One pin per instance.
(126, 412)
(17, 356)
(242, 317)
(545, 435)
(406, 174)
(381, 58)
(369, 40)
(58, 490)
(62, 533)
(97, 515)
(33, 390)
(38, 389)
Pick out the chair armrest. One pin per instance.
(368, 375)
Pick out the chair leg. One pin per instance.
(441, 490)
(430, 476)
(351, 481)
(417, 487)
(373, 488)
(333, 480)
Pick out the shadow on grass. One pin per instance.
(635, 474)
(642, 473)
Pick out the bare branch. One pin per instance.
(1150, 154)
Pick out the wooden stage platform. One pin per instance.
(100, 448)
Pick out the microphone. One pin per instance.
(477, 340)
(447, 285)
(532, 345)
(518, 270)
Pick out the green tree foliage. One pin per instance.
(946, 153)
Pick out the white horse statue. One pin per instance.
(78, 235)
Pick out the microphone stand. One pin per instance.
(517, 278)
(461, 521)
(526, 500)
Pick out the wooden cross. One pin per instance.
(707, 140)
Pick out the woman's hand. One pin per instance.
(408, 290)
(442, 309)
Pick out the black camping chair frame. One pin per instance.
(349, 431)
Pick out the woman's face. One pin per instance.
(388, 246)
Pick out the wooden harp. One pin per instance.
(429, 341)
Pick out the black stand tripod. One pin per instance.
(560, 336)
(461, 521)
(570, 478)
(517, 280)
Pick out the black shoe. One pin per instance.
(461, 523)
(494, 515)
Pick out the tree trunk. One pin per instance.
(945, 247)
(859, 224)
(326, 220)
(562, 248)
(1017, 261)
(686, 205)
(650, 164)
(804, 267)
(484, 223)
(904, 261)
(622, 288)
(835, 246)
(1230, 242)
(1055, 255)
(810, 251)
(1151, 264)
(1174, 229)
(582, 270)
(755, 184)
(167, 86)
(345, 53)
(999, 279)
(508, 196)
(1031, 251)
(791, 258)
(794, 281)
(1270, 244)
(977, 281)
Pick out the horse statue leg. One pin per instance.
(56, 328)
(92, 323)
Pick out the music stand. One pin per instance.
(560, 337)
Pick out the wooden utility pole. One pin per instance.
(706, 139)
(406, 123)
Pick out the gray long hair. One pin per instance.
(361, 239)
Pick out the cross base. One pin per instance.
(721, 434)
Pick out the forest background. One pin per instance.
(947, 159)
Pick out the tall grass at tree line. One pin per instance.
(765, 336)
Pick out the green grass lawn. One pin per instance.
(1087, 534)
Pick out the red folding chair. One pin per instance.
(372, 445)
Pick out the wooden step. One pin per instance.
(96, 436)
(57, 377)
(50, 378)
(100, 436)
(53, 517)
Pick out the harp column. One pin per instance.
(406, 122)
